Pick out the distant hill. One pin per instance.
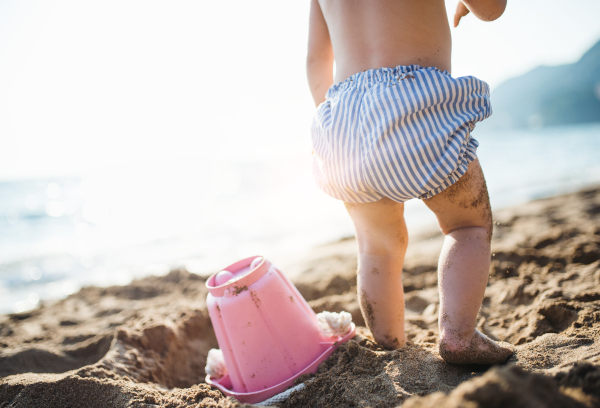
(547, 96)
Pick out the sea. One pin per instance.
(113, 225)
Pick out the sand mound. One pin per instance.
(145, 344)
(513, 387)
(359, 376)
(59, 390)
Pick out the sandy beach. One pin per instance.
(145, 344)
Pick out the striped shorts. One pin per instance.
(400, 133)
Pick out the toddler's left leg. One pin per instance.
(382, 240)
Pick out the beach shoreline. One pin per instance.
(145, 344)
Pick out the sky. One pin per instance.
(95, 85)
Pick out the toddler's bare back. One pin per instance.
(387, 33)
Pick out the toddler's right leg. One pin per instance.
(382, 239)
(465, 217)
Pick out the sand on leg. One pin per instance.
(465, 217)
(382, 240)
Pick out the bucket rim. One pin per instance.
(242, 283)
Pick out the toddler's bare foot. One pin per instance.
(479, 350)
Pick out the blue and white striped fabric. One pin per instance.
(401, 133)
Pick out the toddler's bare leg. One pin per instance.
(465, 217)
(382, 239)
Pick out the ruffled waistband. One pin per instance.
(371, 76)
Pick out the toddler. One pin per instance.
(395, 126)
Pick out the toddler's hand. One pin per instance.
(461, 11)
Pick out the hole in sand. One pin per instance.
(169, 353)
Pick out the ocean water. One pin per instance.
(115, 224)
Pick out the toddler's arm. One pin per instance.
(485, 10)
(319, 60)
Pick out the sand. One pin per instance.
(145, 344)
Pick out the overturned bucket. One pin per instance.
(267, 332)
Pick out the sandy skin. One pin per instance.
(464, 215)
(480, 349)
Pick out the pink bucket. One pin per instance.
(267, 332)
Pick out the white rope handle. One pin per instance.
(275, 399)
